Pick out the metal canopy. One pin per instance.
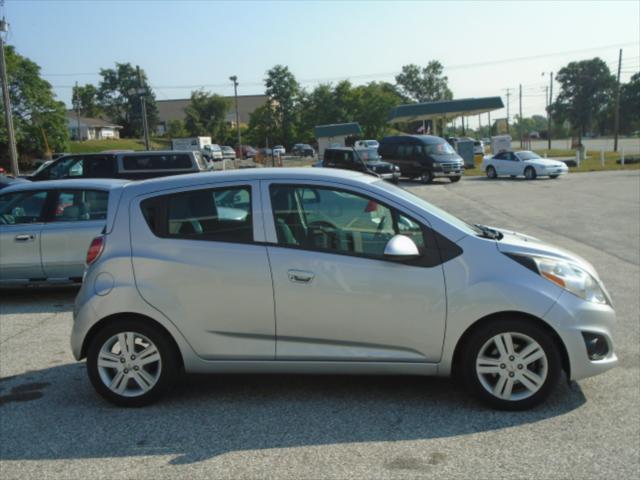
(445, 109)
(337, 130)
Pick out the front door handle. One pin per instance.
(25, 237)
(300, 276)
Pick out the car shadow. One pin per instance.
(37, 299)
(55, 414)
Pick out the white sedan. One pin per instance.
(526, 163)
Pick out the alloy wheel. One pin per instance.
(512, 366)
(129, 364)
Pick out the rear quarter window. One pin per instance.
(179, 161)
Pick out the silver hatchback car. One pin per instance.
(328, 271)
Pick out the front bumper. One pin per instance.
(571, 316)
(390, 176)
(554, 171)
(448, 169)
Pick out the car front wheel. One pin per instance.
(454, 179)
(530, 173)
(131, 364)
(511, 364)
(426, 177)
(491, 172)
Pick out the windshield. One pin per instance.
(438, 212)
(439, 149)
(528, 156)
(368, 154)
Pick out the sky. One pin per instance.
(486, 47)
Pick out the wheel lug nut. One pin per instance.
(122, 360)
(519, 367)
(512, 358)
(126, 370)
(502, 365)
(136, 368)
(133, 357)
(511, 374)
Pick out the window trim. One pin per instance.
(124, 171)
(430, 257)
(162, 200)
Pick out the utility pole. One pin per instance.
(13, 151)
(143, 103)
(76, 105)
(234, 79)
(550, 100)
(508, 105)
(520, 119)
(617, 113)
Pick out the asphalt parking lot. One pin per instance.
(53, 425)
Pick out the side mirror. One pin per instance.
(401, 247)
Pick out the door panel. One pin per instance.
(337, 298)
(20, 252)
(64, 247)
(357, 308)
(21, 214)
(218, 293)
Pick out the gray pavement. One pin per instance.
(53, 425)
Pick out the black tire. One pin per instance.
(426, 177)
(530, 173)
(169, 358)
(516, 326)
(553, 176)
(491, 172)
(454, 179)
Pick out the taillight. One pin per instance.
(95, 249)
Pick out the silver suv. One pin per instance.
(328, 271)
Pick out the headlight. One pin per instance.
(572, 278)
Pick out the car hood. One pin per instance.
(546, 162)
(515, 242)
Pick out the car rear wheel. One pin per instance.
(530, 173)
(491, 172)
(454, 179)
(131, 364)
(553, 176)
(511, 364)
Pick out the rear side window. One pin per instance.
(171, 161)
(81, 205)
(220, 214)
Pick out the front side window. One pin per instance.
(81, 205)
(331, 220)
(22, 207)
(439, 149)
(221, 214)
(66, 167)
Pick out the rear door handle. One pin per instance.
(300, 276)
(24, 237)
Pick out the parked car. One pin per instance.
(247, 152)
(279, 150)
(478, 147)
(359, 276)
(212, 152)
(524, 162)
(360, 160)
(422, 156)
(127, 165)
(303, 150)
(367, 144)
(46, 228)
(7, 181)
(228, 153)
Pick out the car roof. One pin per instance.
(427, 139)
(248, 174)
(72, 183)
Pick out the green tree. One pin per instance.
(375, 101)
(120, 98)
(86, 98)
(39, 119)
(175, 129)
(586, 88)
(207, 115)
(630, 105)
(426, 84)
(284, 92)
(263, 127)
